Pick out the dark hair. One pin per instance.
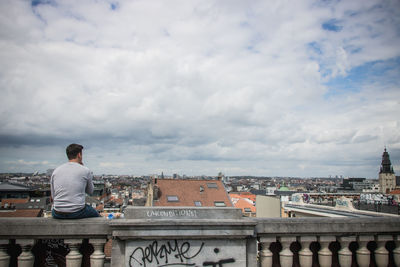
(73, 150)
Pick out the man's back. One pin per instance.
(69, 183)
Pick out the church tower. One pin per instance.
(387, 178)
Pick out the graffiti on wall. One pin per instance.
(161, 253)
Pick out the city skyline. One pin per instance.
(261, 88)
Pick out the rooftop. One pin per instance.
(191, 193)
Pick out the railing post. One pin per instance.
(266, 254)
(396, 251)
(345, 254)
(26, 258)
(363, 254)
(98, 256)
(381, 253)
(324, 254)
(73, 258)
(4, 257)
(305, 254)
(286, 255)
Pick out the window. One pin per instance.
(172, 199)
(212, 185)
(197, 203)
(219, 204)
(247, 210)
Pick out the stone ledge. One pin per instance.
(161, 229)
(53, 228)
(161, 213)
(12, 228)
(324, 226)
(173, 222)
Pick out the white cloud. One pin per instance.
(23, 162)
(203, 85)
(112, 164)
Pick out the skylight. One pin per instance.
(172, 199)
(212, 185)
(219, 204)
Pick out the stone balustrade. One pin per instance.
(208, 242)
(27, 232)
(329, 241)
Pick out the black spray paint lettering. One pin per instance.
(154, 253)
(219, 263)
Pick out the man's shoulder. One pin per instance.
(60, 167)
(72, 165)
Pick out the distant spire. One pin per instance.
(386, 165)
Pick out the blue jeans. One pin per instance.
(86, 212)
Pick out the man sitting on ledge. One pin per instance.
(69, 183)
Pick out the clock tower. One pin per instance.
(387, 178)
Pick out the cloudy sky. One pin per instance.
(262, 87)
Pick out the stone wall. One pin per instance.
(205, 241)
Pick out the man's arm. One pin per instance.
(89, 185)
(51, 188)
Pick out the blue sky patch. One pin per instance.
(114, 6)
(35, 3)
(385, 72)
(332, 25)
(315, 47)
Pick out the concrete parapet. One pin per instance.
(183, 236)
(169, 213)
(326, 226)
(52, 228)
(209, 241)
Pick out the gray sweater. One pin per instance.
(69, 183)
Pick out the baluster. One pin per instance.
(396, 251)
(345, 254)
(73, 258)
(381, 253)
(305, 254)
(286, 255)
(324, 254)
(266, 254)
(363, 254)
(98, 256)
(4, 257)
(26, 258)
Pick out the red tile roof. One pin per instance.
(13, 201)
(189, 191)
(240, 195)
(22, 213)
(245, 203)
